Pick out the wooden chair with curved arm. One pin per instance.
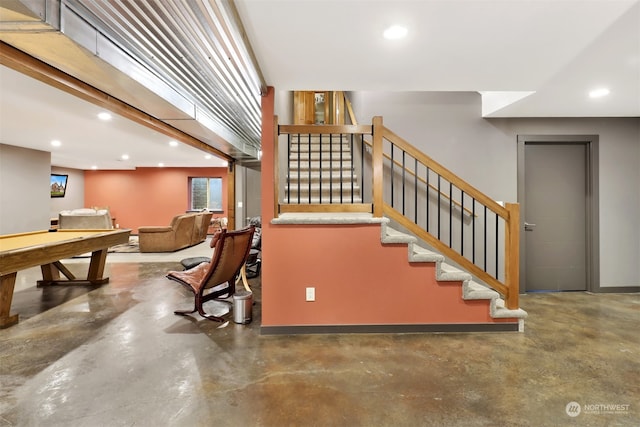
(216, 279)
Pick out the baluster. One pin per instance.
(496, 243)
(320, 170)
(352, 166)
(415, 190)
(485, 238)
(309, 163)
(450, 214)
(462, 222)
(439, 193)
(428, 195)
(404, 168)
(330, 169)
(341, 167)
(289, 168)
(393, 204)
(473, 230)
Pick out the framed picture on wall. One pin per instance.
(58, 185)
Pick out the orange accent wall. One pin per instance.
(357, 280)
(146, 196)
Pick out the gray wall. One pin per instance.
(74, 197)
(253, 193)
(24, 189)
(27, 204)
(449, 128)
(248, 192)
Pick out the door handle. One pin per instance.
(528, 227)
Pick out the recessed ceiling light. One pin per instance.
(125, 157)
(395, 32)
(56, 143)
(160, 165)
(207, 156)
(104, 116)
(599, 93)
(94, 167)
(173, 143)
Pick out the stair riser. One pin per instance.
(325, 191)
(316, 156)
(317, 201)
(303, 166)
(326, 148)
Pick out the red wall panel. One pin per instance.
(146, 196)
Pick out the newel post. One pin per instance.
(378, 171)
(512, 255)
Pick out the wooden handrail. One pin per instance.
(422, 180)
(445, 173)
(325, 129)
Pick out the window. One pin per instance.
(206, 193)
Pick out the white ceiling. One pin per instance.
(557, 50)
(32, 114)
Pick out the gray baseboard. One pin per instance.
(389, 329)
(617, 290)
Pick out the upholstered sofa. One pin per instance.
(201, 227)
(85, 219)
(185, 230)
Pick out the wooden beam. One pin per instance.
(30, 66)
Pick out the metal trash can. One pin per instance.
(242, 304)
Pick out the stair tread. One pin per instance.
(477, 291)
(500, 311)
(394, 236)
(453, 276)
(420, 254)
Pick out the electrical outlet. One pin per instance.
(311, 294)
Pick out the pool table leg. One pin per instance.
(96, 267)
(51, 272)
(7, 284)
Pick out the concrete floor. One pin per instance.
(116, 355)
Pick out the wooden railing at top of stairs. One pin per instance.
(508, 286)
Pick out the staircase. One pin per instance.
(321, 171)
(471, 290)
(330, 170)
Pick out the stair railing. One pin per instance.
(320, 182)
(409, 187)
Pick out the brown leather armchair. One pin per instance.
(201, 227)
(177, 235)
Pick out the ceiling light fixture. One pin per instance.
(207, 156)
(125, 157)
(599, 93)
(56, 143)
(395, 32)
(173, 143)
(104, 116)
(160, 165)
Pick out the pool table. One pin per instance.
(46, 249)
